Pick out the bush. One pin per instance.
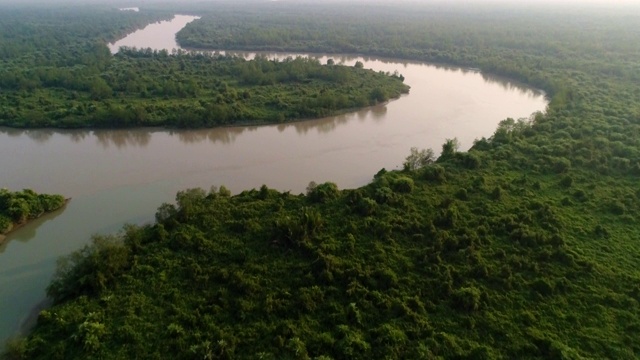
(496, 194)
(560, 165)
(468, 160)
(435, 173)
(449, 149)
(91, 268)
(462, 194)
(601, 231)
(402, 184)
(367, 206)
(380, 173)
(19, 210)
(467, 298)
(580, 195)
(5, 224)
(418, 159)
(51, 202)
(543, 287)
(384, 195)
(617, 208)
(15, 349)
(566, 181)
(324, 192)
(447, 218)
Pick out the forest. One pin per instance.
(524, 247)
(18, 207)
(56, 71)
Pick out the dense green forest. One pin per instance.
(56, 71)
(16, 208)
(526, 246)
(539, 45)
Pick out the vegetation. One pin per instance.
(537, 44)
(56, 71)
(16, 208)
(405, 267)
(526, 246)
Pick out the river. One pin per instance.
(122, 176)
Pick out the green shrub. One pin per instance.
(467, 298)
(402, 184)
(601, 231)
(418, 159)
(384, 195)
(462, 194)
(449, 149)
(496, 194)
(580, 195)
(617, 208)
(566, 181)
(324, 192)
(15, 349)
(468, 160)
(380, 173)
(435, 173)
(367, 206)
(5, 224)
(543, 287)
(90, 269)
(560, 165)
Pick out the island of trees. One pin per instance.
(17, 208)
(524, 247)
(56, 71)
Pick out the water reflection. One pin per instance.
(226, 135)
(37, 135)
(40, 136)
(140, 138)
(323, 127)
(378, 112)
(26, 233)
(512, 85)
(78, 136)
(122, 138)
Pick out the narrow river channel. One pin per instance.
(122, 176)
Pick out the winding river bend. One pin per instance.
(122, 176)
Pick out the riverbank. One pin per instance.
(27, 206)
(192, 91)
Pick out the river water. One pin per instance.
(122, 176)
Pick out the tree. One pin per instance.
(418, 159)
(449, 148)
(100, 89)
(19, 210)
(377, 95)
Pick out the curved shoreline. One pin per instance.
(471, 67)
(237, 124)
(16, 226)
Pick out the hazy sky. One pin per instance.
(453, 3)
(141, 2)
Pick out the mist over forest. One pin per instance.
(525, 245)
